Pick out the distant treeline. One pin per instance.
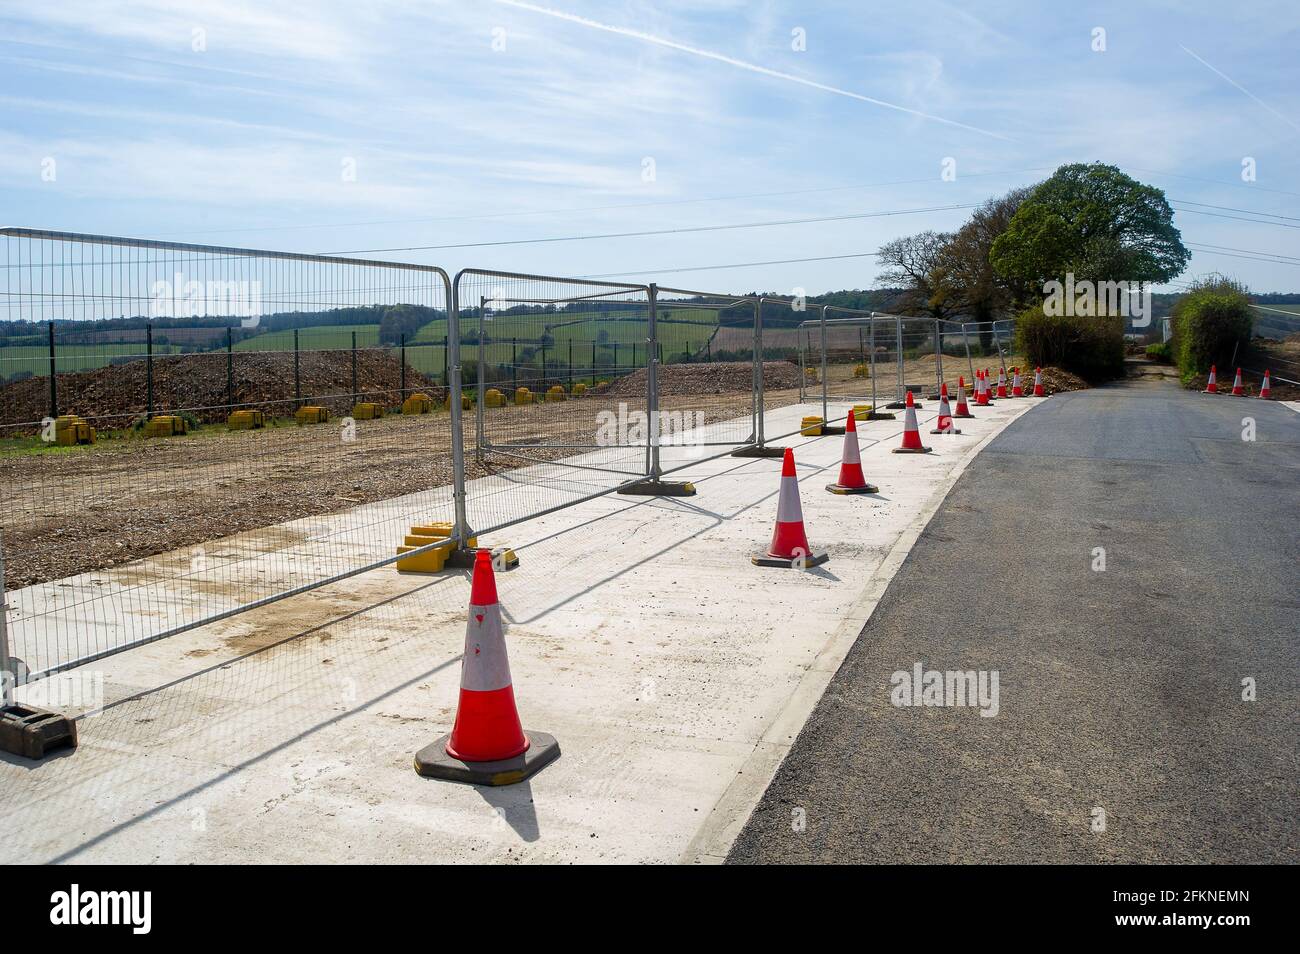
(393, 321)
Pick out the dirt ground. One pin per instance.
(73, 510)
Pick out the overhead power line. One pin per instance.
(648, 232)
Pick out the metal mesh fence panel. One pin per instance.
(708, 400)
(556, 372)
(223, 447)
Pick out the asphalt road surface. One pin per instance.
(1121, 733)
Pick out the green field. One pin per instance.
(1273, 325)
(326, 338)
(35, 359)
(619, 339)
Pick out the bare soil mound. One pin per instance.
(112, 396)
(718, 377)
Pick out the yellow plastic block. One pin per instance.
(579, 389)
(438, 531)
(861, 412)
(523, 396)
(246, 420)
(556, 393)
(862, 371)
(367, 411)
(69, 430)
(431, 561)
(494, 398)
(311, 414)
(417, 404)
(810, 374)
(164, 425)
(466, 401)
(811, 426)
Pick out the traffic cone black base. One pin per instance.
(791, 563)
(754, 450)
(912, 450)
(846, 491)
(951, 430)
(658, 488)
(432, 761)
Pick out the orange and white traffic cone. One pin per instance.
(944, 424)
(981, 396)
(1017, 389)
(789, 548)
(1002, 382)
(487, 744)
(1212, 386)
(1038, 383)
(852, 480)
(1237, 389)
(911, 433)
(1266, 387)
(962, 409)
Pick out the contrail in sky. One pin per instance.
(742, 64)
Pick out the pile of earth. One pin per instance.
(718, 377)
(1055, 380)
(116, 395)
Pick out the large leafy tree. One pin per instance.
(972, 283)
(917, 264)
(1094, 221)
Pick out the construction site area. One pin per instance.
(237, 584)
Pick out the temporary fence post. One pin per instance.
(460, 531)
(756, 375)
(8, 677)
(862, 351)
(997, 340)
(871, 333)
(297, 376)
(760, 411)
(570, 365)
(901, 384)
(652, 387)
(938, 357)
(354, 367)
(757, 446)
(54, 380)
(148, 368)
(970, 365)
(480, 375)
(230, 368)
(514, 366)
(401, 381)
(800, 334)
(593, 362)
(825, 384)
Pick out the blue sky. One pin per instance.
(477, 121)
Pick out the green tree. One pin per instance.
(972, 282)
(1094, 221)
(918, 265)
(1211, 322)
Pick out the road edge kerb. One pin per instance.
(727, 817)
